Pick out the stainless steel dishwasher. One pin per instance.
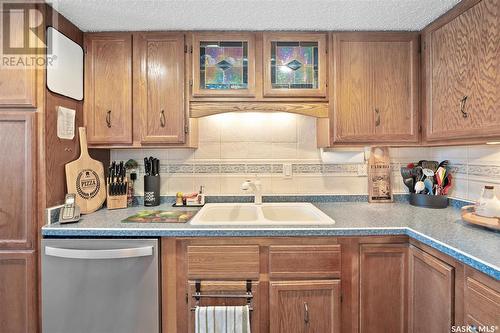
(100, 286)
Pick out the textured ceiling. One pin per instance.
(112, 15)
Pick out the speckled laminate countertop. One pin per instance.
(441, 229)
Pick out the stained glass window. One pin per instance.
(223, 65)
(294, 65)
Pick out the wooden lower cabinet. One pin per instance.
(304, 306)
(481, 302)
(431, 293)
(383, 280)
(18, 301)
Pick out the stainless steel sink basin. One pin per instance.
(294, 213)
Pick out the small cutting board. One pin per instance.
(85, 178)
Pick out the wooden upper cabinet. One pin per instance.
(18, 151)
(295, 64)
(304, 306)
(159, 87)
(18, 299)
(462, 79)
(223, 64)
(108, 88)
(383, 278)
(17, 82)
(431, 293)
(375, 87)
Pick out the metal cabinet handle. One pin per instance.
(377, 119)
(465, 114)
(99, 254)
(108, 118)
(306, 313)
(162, 118)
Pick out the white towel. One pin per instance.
(222, 319)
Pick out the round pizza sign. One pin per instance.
(87, 184)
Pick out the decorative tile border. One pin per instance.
(353, 169)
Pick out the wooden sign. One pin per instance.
(85, 178)
(379, 175)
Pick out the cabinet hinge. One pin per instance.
(186, 129)
(185, 49)
(190, 82)
(191, 49)
(85, 50)
(420, 128)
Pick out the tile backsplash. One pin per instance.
(234, 147)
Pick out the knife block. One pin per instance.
(116, 201)
(151, 190)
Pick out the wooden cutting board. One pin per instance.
(85, 178)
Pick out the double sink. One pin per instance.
(293, 213)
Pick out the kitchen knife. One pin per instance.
(157, 167)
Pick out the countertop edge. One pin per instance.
(480, 265)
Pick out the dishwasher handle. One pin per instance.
(99, 254)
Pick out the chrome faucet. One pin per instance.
(256, 187)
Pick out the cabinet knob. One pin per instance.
(306, 313)
(108, 119)
(465, 114)
(162, 118)
(377, 118)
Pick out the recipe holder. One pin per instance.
(151, 191)
(429, 201)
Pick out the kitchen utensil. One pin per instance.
(447, 184)
(440, 175)
(428, 173)
(85, 178)
(419, 186)
(429, 185)
(406, 172)
(410, 183)
(432, 165)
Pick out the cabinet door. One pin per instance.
(376, 87)
(305, 306)
(18, 292)
(462, 75)
(481, 301)
(294, 65)
(160, 91)
(17, 148)
(17, 81)
(108, 88)
(383, 288)
(223, 64)
(431, 293)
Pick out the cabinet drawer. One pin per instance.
(223, 262)
(482, 304)
(304, 261)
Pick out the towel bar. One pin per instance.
(199, 295)
(248, 295)
(194, 308)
